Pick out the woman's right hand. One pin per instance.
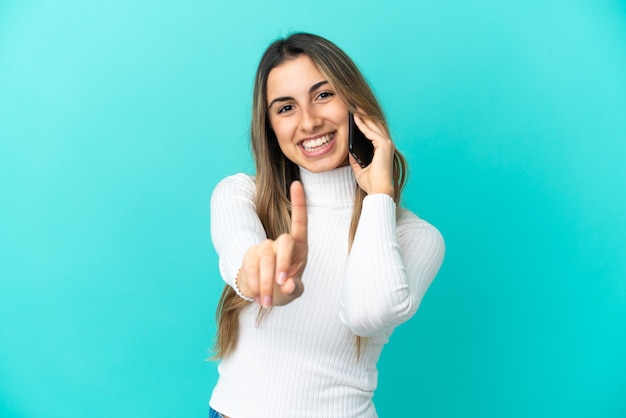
(271, 273)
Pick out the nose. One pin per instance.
(310, 120)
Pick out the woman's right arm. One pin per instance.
(268, 271)
(235, 226)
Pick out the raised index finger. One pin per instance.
(372, 130)
(298, 212)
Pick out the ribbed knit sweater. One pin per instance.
(301, 359)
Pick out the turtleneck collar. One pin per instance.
(334, 188)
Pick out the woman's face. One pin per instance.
(309, 119)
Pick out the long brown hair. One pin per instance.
(274, 172)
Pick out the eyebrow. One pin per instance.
(287, 98)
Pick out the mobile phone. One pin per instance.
(361, 148)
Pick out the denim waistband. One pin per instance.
(214, 414)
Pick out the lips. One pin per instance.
(312, 145)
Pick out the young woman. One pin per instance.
(315, 284)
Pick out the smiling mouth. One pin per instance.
(314, 144)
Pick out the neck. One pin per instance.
(330, 188)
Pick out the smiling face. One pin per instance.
(309, 119)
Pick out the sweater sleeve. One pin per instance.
(235, 226)
(391, 264)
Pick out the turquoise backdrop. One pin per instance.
(118, 117)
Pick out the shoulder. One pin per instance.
(240, 184)
(411, 227)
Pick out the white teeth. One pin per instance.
(311, 144)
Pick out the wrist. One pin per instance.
(388, 190)
(238, 290)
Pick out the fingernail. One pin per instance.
(267, 301)
(257, 300)
(282, 276)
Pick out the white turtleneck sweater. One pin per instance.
(301, 359)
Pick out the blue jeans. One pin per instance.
(214, 414)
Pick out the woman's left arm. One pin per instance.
(392, 261)
(391, 264)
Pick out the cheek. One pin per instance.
(340, 116)
(283, 131)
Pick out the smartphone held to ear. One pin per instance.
(361, 148)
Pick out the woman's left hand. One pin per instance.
(378, 176)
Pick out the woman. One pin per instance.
(315, 284)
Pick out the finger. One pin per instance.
(372, 130)
(298, 212)
(283, 247)
(288, 287)
(267, 265)
(375, 131)
(293, 287)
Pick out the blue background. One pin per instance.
(117, 119)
